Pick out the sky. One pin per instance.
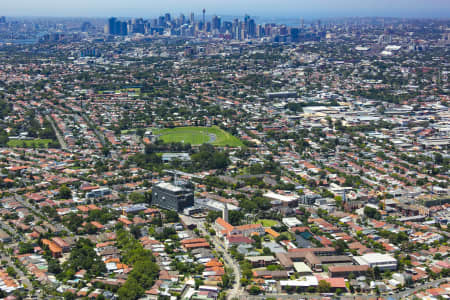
(262, 8)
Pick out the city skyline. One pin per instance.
(264, 8)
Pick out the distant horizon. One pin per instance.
(411, 9)
(226, 16)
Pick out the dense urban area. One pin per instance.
(199, 157)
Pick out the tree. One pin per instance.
(324, 286)
(376, 272)
(372, 213)
(131, 289)
(257, 240)
(136, 197)
(282, 237)
(145, 270)
(172, 216)
(25, 248)
(83, 257)
(340, 246)
(11, 271)
(226, 281)
(54, 267)
(213, 215)
(235, 217)
(198, 282)
(64, 192)
(254, 290)
(266, 251)
(69, 295)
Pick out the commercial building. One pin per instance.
(382, 261)
(346, 270)
(173, 196)
(285, 200)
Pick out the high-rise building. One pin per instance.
(161, 21)
(294, 33)
(116, 27)
(111, 25)
(167, 17)
(251, 30)
(173, 196)
(182, 19)
(216, 23)
(204, 18)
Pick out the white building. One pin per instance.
(382, 261)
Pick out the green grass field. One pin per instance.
(198, 135)
(38, 143)
(267, 223)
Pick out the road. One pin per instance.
(236, 291)
(36, 211)
(99, 135)
(61, 140)
(434, 283)
(399, 295)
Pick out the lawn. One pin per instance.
(198, 135)
(267, 223)
(38, 143)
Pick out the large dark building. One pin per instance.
(173, 196)
(116, 27)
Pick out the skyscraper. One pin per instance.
(111, 25)
(204, 19)
(167, 17)
(251, 28)
(116, 27)
(216, 23)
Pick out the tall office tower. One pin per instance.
(192, 19)
(216, 23)
(200, 26)
(111, 25)
(302, 23)
(161, 21)
(246, 19)
(260, 31)
(267, 30)
(167, 17)
(182, 19)
(2, 20)
(251, 28)
(137, 26)
(204, 19)
(227, 26)
(84, 27)
(235, 29)
(123, 28)
(294, 33)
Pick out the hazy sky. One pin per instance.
(289, 8)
